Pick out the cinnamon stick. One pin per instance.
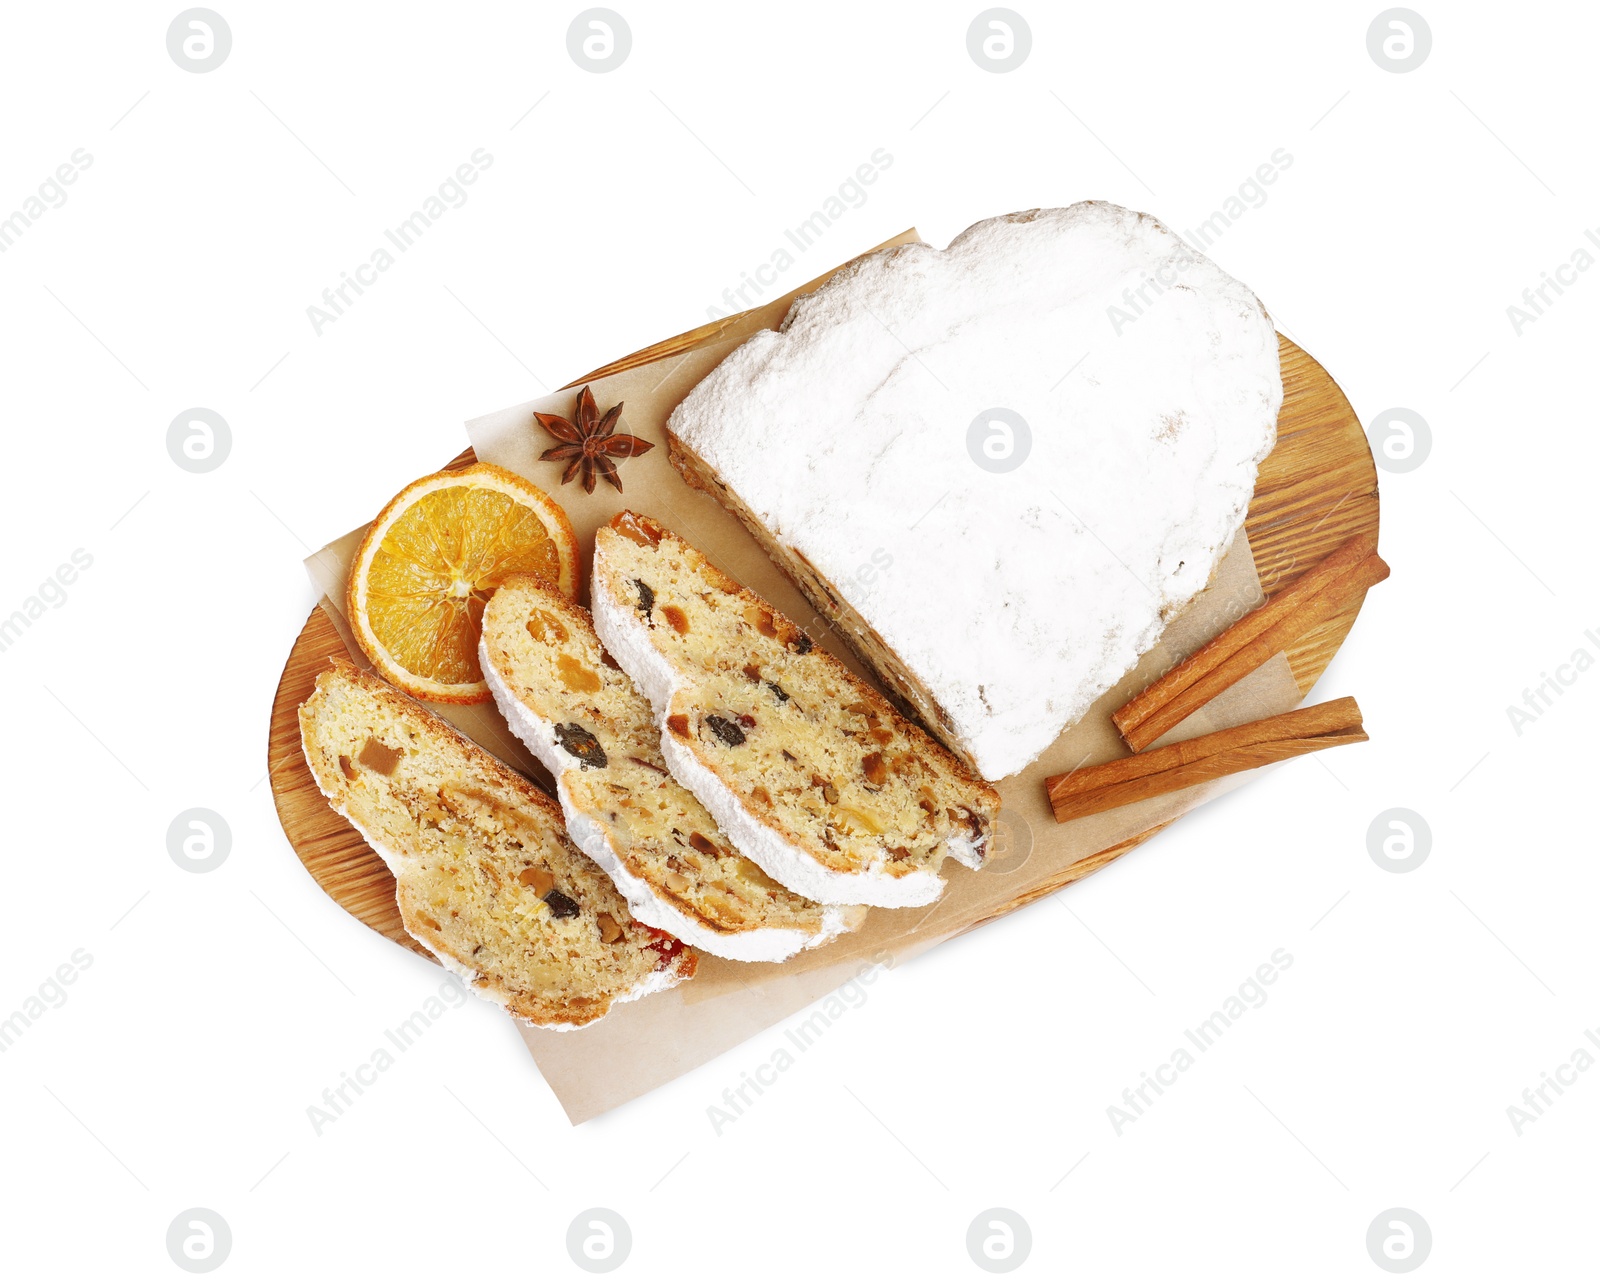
(1092, 789)
(1328, 588)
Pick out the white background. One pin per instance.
(218, 1007)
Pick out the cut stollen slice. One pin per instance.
(589, 725)
(486, 877)
(808, 769)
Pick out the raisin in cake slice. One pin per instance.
(809, 770)
(588, 724)
(486, 878)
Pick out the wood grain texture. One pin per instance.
(1316, 489)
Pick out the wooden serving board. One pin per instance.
(1316, 489)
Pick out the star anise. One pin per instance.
(589, 442)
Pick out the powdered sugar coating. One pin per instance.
(1015, 598)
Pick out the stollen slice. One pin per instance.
(589, 725)
(809, 770)
(486, 877)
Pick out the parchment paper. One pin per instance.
(642, 1045)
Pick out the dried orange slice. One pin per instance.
(431, 561)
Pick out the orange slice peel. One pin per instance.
(431, 560)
